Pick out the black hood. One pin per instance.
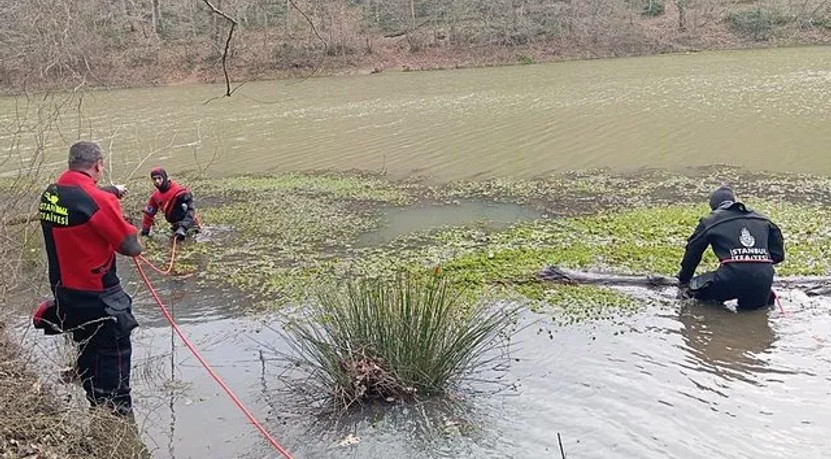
(720, 195)
(159, 172)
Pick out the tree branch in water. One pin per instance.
(812, 285)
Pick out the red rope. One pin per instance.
(206, 365)
(169, 266)
(778, 301)
(740, 260)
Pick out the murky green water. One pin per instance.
(765, 109)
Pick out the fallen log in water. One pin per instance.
(812, 285)
(570, 276)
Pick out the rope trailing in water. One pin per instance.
(778, 301)
(169, 266)
(204, 363)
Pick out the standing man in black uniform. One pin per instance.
(747, 245)
(83, 228)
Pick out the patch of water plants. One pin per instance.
(291, 232)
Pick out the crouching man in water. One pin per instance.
(175, 202)
(747, 245)
(83, 228)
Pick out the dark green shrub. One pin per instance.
(524, 59)
(652, 7)
(757, 23)
(648, 7)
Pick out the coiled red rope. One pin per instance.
(169, 266)
(201, 359)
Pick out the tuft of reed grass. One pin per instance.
(415, 335)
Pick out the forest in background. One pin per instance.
(67, 43)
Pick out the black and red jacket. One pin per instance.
(169, 202)
(82, 227)
(737, 234)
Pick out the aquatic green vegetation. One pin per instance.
(571, 189)
(354, 187)
(285, 230)
(646, 240)
(282, 236)
(413, 336)
(807, 236)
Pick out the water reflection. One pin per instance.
(727, 344)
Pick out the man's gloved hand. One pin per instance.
(683, 292)
(121, 190)
(145, 232)
(180, 234)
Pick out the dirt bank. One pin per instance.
(35, 423)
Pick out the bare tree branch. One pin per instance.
(234, 24)
(317, 34)
(309, 20)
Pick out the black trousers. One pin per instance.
(188, 222)
(749, 283)
(183, 214)
(104, 360)
(101, 324)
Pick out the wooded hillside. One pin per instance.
(64, 43)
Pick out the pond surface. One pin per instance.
(676, 380)
(408, 220)
(760, 109)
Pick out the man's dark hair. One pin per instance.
(83, 154)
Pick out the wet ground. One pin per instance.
(682, 380)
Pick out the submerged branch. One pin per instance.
(812, 285)
(569, 276)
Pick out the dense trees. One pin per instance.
(155, 41)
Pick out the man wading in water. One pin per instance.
(747, 245)
(175, 202)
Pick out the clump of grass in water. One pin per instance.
(412, 336)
